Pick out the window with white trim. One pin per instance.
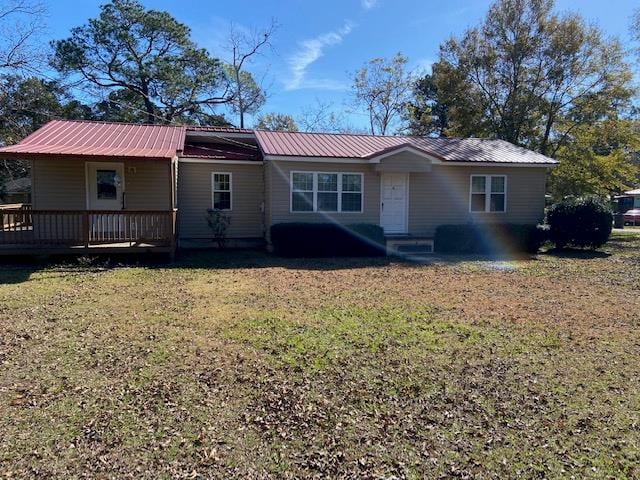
(221, 191)
(326, 192)
(302, 192)
(488, 193)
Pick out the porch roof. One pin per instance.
(99, 139)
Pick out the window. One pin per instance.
(302, 192)
(107, 184)
(326, 192)
(488, 193)
(221, 188)
(351, 192)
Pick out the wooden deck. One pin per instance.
(30, 232)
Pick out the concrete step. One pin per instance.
(409, 246)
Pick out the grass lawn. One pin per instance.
(243, 365)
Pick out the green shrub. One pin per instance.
(327, 240)
(488, 238)
(584, 222)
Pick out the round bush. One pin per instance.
(584, 222)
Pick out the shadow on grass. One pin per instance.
(625, 240)
(19, 269)
(576, 253)
(232, 259)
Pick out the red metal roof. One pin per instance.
(70, 137)
(84, 138)
(330, 145)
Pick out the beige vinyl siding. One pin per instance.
(194, 199)
(268, 198)
(280, 193)
(147, 185)
(437, 197)
(403, 162)
(442, 197)
(60, 184)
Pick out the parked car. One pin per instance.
(632, 217)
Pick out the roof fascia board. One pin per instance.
(76, 156)
(219, 160)
(287, 158)
(472, 163)
(291, 158)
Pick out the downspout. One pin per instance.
(174, 197)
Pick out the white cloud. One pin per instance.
(308, 52)
(368, 4)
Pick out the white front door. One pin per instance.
(393, 202)
(105, 185)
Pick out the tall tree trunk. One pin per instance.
(148, 105)
(371, 122)
(239, 94)
(544, 146)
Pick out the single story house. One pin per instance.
(115, 185)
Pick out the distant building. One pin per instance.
(16, 191)
(636, 197)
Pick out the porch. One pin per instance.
(25, 231)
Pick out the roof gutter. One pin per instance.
(375, 160)
(75, 156)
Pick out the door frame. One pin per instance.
(87, 166)
(405, 230)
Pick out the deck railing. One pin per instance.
(18, 214)
(85, 228)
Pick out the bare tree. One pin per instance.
(324, 117)
(243, 46)
(320, 117)
(383, 87)
(20, 23)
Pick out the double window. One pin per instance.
(326, 192)
(221, 191)
(488, 193)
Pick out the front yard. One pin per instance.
(243, 365)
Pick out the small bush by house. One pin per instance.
(488, 238)
(584, 222)
(327, 240)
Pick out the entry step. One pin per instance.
(409, 246)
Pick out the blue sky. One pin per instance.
(319, 44)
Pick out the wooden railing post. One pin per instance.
(85, 228)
